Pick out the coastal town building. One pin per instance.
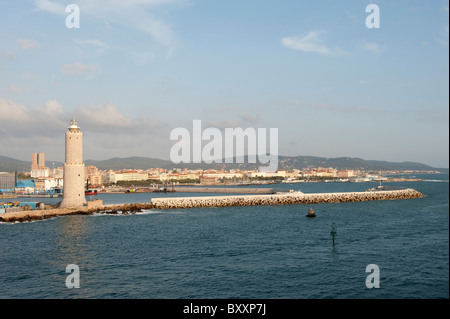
(279, 173)
(37, 161)
(37, 173)
(25, 186)
(7, 181)
(57, 172)
(39, 184)
(132, 175)
(93, 176)
(345, 173)
(108, 176)
(209, 180)
(38, 168)
(95, 180)
(123, 175)
(47, 184)
(223, 175)
(178, 176)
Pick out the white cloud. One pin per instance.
(53, 107)
(107, 119)
(12, 112)
(51, 117)
(93, 42)
(50, 6)
(373, 47)
(108, 133)
(312, 42)
(90, 48)
(160, 31)
(104, 115)
(252, 119)
(78, 68)
(27, 44)
(48, 116)
(136, 14)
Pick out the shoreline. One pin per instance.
(212, 201)
(208, 188)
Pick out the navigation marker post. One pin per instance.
(333, 232)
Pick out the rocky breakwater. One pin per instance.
(282, 199)
(35, 215)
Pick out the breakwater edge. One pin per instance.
(214, 201)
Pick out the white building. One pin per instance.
(40, 172)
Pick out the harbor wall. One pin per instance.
(282, 199)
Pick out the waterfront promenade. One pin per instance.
(214, 201)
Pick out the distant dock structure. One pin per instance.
(74, 168)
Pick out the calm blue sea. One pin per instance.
(260, 252)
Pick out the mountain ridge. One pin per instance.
(9, 164)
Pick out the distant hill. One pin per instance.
(348, 163)
(130, 163)
(8, 164)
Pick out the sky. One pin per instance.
(135, 70)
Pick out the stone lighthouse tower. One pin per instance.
(74, 168)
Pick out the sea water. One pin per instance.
(257, 252)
